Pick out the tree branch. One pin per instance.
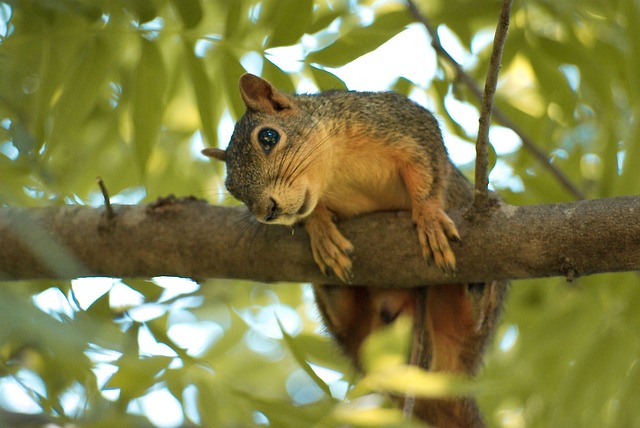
(499, 116)
(481, 196)
(190, 238)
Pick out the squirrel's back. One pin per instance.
(390, 117)
(384, 116)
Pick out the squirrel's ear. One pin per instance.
(260, 95)
(214, 152)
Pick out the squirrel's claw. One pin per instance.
(331, 250)
(435, 229)
(332, 258)
(344, 275)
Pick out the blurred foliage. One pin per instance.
(129, 90)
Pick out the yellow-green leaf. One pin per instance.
(289, 20)
(300, 356)
(144, 10)
(81, 90)
(231, 70)
(203, 92)
(190, 12)
(277, 77)
(362, 40)
(326, 80)
(136, 375)
(148, 101)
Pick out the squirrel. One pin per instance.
(315, 158)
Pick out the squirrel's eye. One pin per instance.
(268, 138)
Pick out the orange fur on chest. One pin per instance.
(365, 176)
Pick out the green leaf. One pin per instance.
(600, 361)
(81, 90)
(325, 16)
(360, 41)
(100, 308)
(232, 337)
(406, 379)
(22, 140)
(209, 402)
(403, 86)
(90, 11)
(322, 350)
(231, 70)
(148, 100)
(204, 94)
(277, 77)
(326, 80)
(144, 10)
(288, 18)
(628, 395)
(150, 290)
(190, 12)
(176, 380)
(158, 328)
(282, 414)
(235, 20)
(387, 346)
(492, 157)
(627, 184)
(373, 417)
(301, 358)
(136, 375)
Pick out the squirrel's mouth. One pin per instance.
(302, 211)
(275, 214)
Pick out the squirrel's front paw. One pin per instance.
(331, 251)
(435, 228)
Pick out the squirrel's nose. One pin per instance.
(273, 210)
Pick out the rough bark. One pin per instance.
(190, 238)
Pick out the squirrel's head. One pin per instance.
(270, 159)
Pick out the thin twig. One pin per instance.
(107, 202)
(499, 116)
(481, 198)
(418, 357)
